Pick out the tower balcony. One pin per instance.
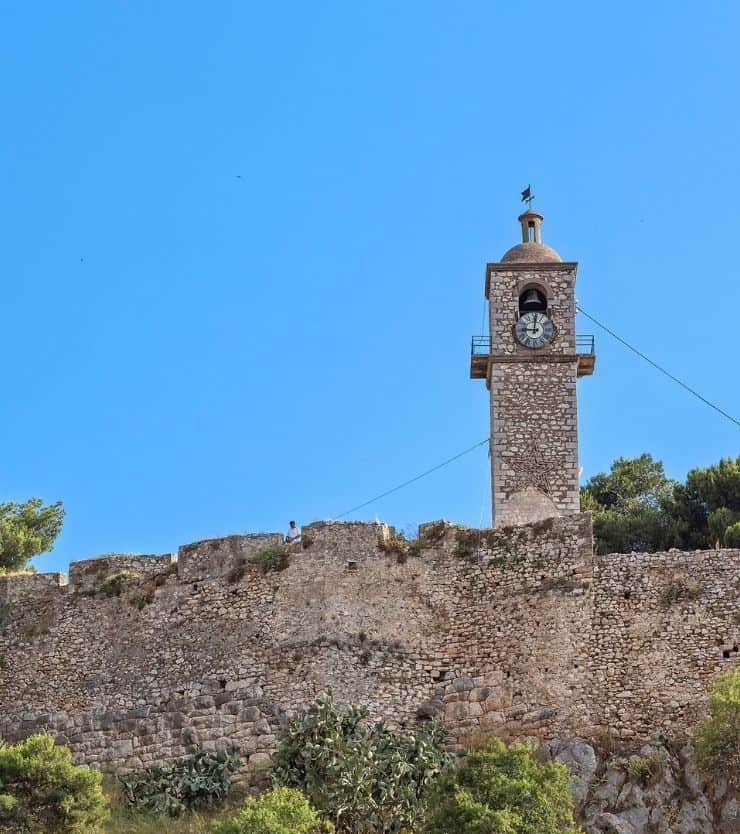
(586, 353)
(480, 353)
(480, 356)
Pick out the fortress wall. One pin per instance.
(516, 631)
(212, 558)
(88, 575)
(664, 625)
(513, 647)
(35, 585)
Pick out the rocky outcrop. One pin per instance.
(653, 790)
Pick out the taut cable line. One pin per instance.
(614, 335)
(412, 480)
(658, 367)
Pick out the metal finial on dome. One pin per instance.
(527, 196)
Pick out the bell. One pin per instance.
(532, 300)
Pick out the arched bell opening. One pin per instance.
(532, 300)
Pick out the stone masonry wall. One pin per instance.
(515, 631)
(533, 401)
(664, 624)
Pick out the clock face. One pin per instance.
(534, 330)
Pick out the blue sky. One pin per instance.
(244, 247)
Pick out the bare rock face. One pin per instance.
(729, 819)
(580, 759)
(655, 790)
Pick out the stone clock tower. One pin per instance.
(531, 362)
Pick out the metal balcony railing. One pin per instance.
(480, 352)
(481, 345)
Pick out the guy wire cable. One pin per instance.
(657, 366)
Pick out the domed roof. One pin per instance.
(530, 253)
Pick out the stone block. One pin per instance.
(260, 761)
(463, 684)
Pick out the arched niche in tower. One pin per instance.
(533, 299)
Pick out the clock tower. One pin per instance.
(531, 360)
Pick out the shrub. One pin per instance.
(114, 584)
(195, 782)
(677, 591)
(126, 819)
(502, 790)
(732, 535)
(279, 811)
(237, 572)
(643, 770)
(41, 790)
(363, 776)
(469, 542)
(146, 594)
(396, 545)
(435, 533)
(272, 559)
(718, 736)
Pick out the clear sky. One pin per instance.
(244, 244)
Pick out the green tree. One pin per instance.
(718, 736)
(709, 504)
(636, 507)
(279, 811)
(502, 790)
(364, 777)
(42, 791)
(732, 535)
(26, 530)
(719, 521)
(631, 506)
(630, 480)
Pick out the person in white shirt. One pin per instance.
(294, 533)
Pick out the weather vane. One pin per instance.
(527, 196)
